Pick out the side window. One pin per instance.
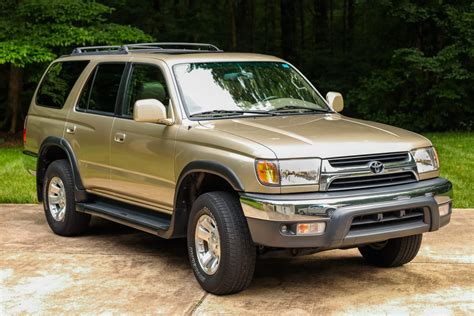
(146, 82)
(100, 91)
(58, 82)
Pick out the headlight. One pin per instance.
(289, 172)
(426, 159)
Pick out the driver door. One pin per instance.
(142, 154)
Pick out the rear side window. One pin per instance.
(58, 82)
(100, 92)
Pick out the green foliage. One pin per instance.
(21, 54)
(423, 92)
(402, 62)
(36, 31)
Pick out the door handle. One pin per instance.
(71, 129)
(119, 137)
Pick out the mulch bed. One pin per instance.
(11, 140)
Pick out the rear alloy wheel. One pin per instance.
(59, 203)
(220, 248)
(393, 252)
(57, 199)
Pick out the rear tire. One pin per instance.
(392, 253)
(231, 268)
(59, 202)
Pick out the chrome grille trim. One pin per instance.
(365, 159)
(399, 168)
(378, 180)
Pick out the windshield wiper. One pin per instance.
(229, 112)
(297, 109)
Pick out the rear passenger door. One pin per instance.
(89, 124)
(142, 154)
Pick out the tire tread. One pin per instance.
(396, 252)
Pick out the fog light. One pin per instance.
(310, 228)
(444, 209)
(284, 229)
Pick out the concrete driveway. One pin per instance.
(117, 270)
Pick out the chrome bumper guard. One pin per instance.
(387, 211)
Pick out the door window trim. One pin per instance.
(120, 106)
(119, 91)
(45, 74)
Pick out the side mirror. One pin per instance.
(150, 111)
(335, 100)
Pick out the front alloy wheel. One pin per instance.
(221, 251)
(208, 248)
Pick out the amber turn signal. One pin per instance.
(267, 172)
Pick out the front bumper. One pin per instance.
(266, 214)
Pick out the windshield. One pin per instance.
(245, 88)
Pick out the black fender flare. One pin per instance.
(63, 144)
(214, 168)
(180, 216)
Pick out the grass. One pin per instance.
(456, 151)
(16, 185)
(456, 154)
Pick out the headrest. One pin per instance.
(152, 90)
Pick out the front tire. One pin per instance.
(59, 203)
(220, 248)
(393, 252)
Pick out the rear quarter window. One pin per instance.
(58, 82)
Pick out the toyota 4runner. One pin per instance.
(238, 153)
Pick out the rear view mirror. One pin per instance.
(151, 111)
(335, 100)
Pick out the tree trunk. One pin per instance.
(244, 15)
(302, 24)
(14, 92)
(233, 28)
(271, 47)
(331, 25)
(320, 22)
(288, 29)
(350, 23)
(344, 25)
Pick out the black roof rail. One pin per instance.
(99, 50)
(166, 48)
(174, 46)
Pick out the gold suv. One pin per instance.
(238, 153)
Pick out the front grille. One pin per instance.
(371, 181)
(364, 160)
(377, 220)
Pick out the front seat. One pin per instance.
(154, 90)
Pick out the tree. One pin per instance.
(36, 31)
(426, 87)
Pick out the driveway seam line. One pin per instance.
(198, 303)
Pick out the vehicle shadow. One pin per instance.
(331, 271)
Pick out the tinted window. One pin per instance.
(101, 89)
(58, 82)
(146, 82)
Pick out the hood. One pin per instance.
(324, 135)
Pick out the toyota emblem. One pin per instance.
(376, 166)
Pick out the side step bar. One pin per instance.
(140, 218)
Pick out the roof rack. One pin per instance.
(99, 50)
(166, 48)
